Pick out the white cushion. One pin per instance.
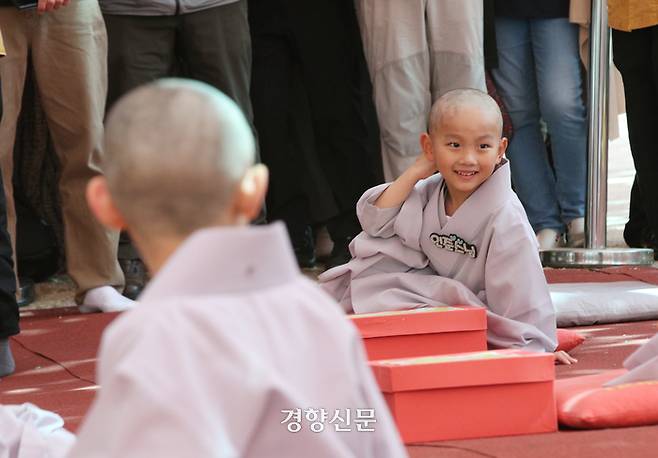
(581, 304)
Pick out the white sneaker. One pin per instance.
(576, 233)
(105, 299)
(548, 239)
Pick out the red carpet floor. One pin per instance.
(55, 355)
(55, 362)
(645, 274)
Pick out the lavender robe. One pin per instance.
(227, 336)
(29, 432)
(642, 365)
(485, 254)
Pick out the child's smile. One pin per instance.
(466, 146)
(466, 174)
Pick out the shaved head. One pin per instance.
(451, 101)
(175, 152)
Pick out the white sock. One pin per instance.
(105, 299)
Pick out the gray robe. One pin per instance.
(642, 365)
(416, 51)
(485, 254)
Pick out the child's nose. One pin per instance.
(469, 156)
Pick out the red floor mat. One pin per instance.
(607, 443)
(55, 357)
(48, 385)
(55, 362)
(607, 346)
(608, 274)
(71, 339)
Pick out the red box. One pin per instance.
(423, 332)
(481, 394)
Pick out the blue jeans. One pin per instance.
(538, 77)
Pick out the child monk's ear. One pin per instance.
(426, 145)
(502, 147)
(102, 206)
(252, 192)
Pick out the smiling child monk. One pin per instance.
(457, 237)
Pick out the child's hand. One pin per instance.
(422, 168)
(400, 189)
(562, 357)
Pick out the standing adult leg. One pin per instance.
(559, 84)
(8, 306)
(636, 57)
(327, 36)
(69, 52)
(394, 37)
(637, 233)
(216, 48)
(16, 27)
(515, 78)
(275, 86)
(140, 49)
(455, 35)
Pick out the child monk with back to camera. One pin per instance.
(457, 237)
(230, 341)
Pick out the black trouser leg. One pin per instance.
(636, 232)
(274, 91)
(141, 49)
(271, 94)
(636, 57)
(329, 42)
(215, 47)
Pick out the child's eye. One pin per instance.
(454, 145)
(485, 146)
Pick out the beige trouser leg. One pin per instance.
(69, 49)
(13, 68)
(455, 36)
(416, 50)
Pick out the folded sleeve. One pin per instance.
(376, 222)
(399, 220)
(646, 352)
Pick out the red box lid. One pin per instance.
(424, 320)
(494, 367)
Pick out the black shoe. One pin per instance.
(642, 238)
(26, 292)
(340, 254)
(304, 247)
(136, 277)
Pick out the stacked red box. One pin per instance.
(479, 394)
(423, 332)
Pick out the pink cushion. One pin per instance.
(568, 340)
(583, 402)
